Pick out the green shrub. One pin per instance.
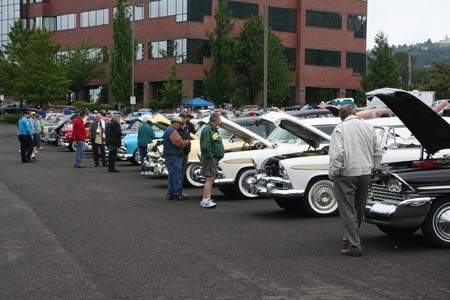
(10, 119)
(108, 106)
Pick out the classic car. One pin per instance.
(415, 194)
(292, 135)
(129, 149)
(65, 139)
(303, 183)
(51, 133)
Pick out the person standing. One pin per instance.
(186, 135)
(97, 138)
(79, 135)
(212, 150)
(25, 133)
(189, 124)
(145, 137)
(113, 141)
(173, 153)
(354, 152)
(36, 133)
(41, 124)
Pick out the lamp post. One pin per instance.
(132, 98)
(266, 52)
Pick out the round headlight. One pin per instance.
(394, 185)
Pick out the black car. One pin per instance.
(406, 196)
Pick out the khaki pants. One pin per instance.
(351, 196)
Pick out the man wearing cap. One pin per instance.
(36, 133)
(25, 133)
(212, 150)
(145, 137)
(188, 123)
(173, 154)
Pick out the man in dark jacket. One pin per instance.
(97, 138)
(173, 153)
(186, 135)
(113, 141)
(79, 135)
(212, 150)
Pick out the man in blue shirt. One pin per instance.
(25, 133)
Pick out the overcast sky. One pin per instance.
(408, 21)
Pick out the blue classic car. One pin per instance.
(129, 148)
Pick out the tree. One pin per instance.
(437, 78)
(172, 92)
(383, 69)
(120, 69)
(30, 70)
(249, 64)
(82, 66)
(219, 80)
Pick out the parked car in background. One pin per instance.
(51, 133)
(413, 194)
(14, 108)
(65, 139)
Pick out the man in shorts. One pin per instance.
(211, 147)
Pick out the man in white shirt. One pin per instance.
(354, 153)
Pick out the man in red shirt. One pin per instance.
(79, 135)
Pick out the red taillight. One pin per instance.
(426, 164)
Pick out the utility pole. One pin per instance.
(266, 52)
(132, 98)
(409, 68)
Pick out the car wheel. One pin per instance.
(136, 159)
(73, 146)
(194, 175)
(436, 227)
(320, 198)
(397, 232)
(245, 182)
(288, 204)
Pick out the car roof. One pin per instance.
(320, 121)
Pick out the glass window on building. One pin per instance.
(9, 13)
(139, 12)
(291, 56)
(356, 61)
(184, 10)
(316, 95)
(323, 19)
(66, 22)
(140, 51)
(157, 88)
(94, 18)
(139, 92)
(49, 23)
(327, 58)
(198, 88)
(357, 24)
(242, 10)
(197, 9)
(283, 19)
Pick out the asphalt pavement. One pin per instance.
(69, 233)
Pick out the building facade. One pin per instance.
(325, 40)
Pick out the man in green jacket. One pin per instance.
(211, 147)
(145, 137)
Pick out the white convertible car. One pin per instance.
(303, 183)
(292, 136)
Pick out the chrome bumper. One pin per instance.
(269, 186)
(405, 214)
(224, 181)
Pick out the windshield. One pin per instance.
(396, 137)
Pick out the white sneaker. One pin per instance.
(207, 203)
(142, 173)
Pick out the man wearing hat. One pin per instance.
(25, 133)
(36, 133)
(173, 154)
(188, 123)
(145, 137)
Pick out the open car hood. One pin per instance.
(431, 130)
(311, 135)
(241, 132)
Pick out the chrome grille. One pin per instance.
(380, 192)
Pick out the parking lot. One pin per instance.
(69, 233)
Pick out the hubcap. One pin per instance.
(323, 197)
(196, 174)
(137, 157)
(248, 183)
(442, 223)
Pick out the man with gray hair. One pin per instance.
(212, 150)
(354, 152)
